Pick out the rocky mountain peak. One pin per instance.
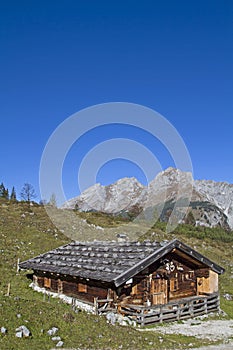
(211, 202)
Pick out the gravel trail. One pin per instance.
(212, 330)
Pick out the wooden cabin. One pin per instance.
(131, 277)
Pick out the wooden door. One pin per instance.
(159, 291)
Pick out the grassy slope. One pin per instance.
(25, 232)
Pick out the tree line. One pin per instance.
(4, 192)
(27, 194)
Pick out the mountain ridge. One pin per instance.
(211, 202)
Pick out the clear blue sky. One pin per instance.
(58, 57)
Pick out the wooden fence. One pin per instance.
(173, 311)
(102, 306)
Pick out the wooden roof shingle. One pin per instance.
(108, 261)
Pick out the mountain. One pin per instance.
(114, 198)
(210, 202)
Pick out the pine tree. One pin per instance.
(4, 191)
(13, 194)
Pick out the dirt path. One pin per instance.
(207, 330)
(216, 347)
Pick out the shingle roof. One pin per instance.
(108, 261)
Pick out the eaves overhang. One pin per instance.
(125, 276)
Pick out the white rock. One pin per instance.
(3, 330)
(59, 344)
(24, 330)
(56, 338)
(19, 334)
(52, 331)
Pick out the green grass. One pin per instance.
(101, 219)
(27, 231)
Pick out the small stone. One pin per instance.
(228, 297)
(19, 334)
(59, 344)
(160, 339)
(24, 330)
(18, 315)
(56, 338)
(195, 323)
(3, 330)
(52, 331)
(111, 317)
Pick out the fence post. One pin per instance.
(17, 266)
(8, 289)
(178, 312)
(191, 309)
(142, 318)
(206, 305)
(96, 305)
(161, 314)
(218, 303)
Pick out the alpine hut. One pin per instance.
(149, 281)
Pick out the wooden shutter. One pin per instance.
(47, 282)
(82, 288)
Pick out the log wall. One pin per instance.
(159, 286)
(156, 285)
(78, 289)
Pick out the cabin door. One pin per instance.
(182, 285)
(159, 291)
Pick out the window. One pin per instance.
(174, 286)
(47, 282)
(82, 288)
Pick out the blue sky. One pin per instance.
(58, 57)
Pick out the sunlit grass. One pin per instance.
(27, 231)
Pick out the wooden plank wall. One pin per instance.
(155, 285)
(76, 289)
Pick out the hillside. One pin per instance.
(26, 231)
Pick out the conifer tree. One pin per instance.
(13, 194)
(4, 191)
